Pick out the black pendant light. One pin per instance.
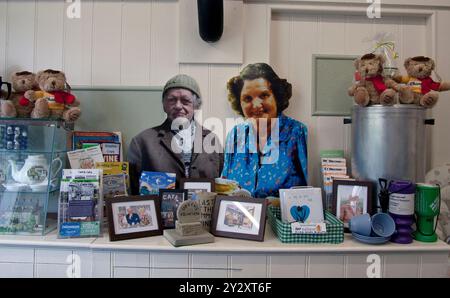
(210, 19)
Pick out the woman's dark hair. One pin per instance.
(281, 89)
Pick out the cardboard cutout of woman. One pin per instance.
(268, 151)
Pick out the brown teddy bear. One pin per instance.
(61, 104)
(420, 87)
(23, 82)
(7, 108)
(372, 87)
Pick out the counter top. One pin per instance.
(51, 239)
(271, 244)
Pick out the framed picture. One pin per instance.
(239, 217)
(302, 205)
(196, 185)
(170, 200)
(329, 86)
(133, 217)
(351, 198)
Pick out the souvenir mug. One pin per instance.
(8, 86)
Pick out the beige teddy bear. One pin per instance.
(420, 87)
(61, 104)
(23, 82)
(372, 87)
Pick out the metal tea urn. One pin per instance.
(388, 142)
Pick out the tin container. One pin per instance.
(388, 142)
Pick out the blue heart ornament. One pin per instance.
(300, 213)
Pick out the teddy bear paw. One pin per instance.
(387, 98)
(362, 97)
(8, 109)
(428, 100)
(406, 95)
(41, 109)
(72, 114)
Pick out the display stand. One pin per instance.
(32, 155)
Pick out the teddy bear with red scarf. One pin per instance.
(62, 104)
(22, 82)
(370, 86)
(420, 88)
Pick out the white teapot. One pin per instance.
(35, 170)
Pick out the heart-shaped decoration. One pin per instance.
(300, 213)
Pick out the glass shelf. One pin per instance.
(32, 151)
(50, 225)
(32, 121)
(29, 191)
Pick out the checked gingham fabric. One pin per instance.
(334, 234)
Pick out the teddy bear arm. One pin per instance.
(402, 79)
(75, 103)
(391, 84)
(70, 99)
(351, 90)
(31, 95)
(397, 78)
(35, 95)
(445, 86)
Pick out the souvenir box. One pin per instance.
(334, 229)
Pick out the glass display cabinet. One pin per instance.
(32, 156)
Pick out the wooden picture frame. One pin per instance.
(132, 217)
(169, 209)
(351, 198)
(194, 185)
(239, 217)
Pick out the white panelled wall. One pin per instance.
(135, 43)
(303, 35)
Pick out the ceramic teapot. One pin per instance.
(35, 170)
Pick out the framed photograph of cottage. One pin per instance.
(351, 198)
(134, 217)
(196, 185)
(170, 201)
(239, 217)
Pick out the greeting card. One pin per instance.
(151, 182)
(302, 205)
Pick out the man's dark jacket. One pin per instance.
(151, 151)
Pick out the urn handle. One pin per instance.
(429, 121)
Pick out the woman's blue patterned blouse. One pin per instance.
(282, 164)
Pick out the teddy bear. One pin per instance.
(371, 87)
(7, 108)
(61, 103)
(420, 87)
(22, 82)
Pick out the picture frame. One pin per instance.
(170, 201)
(239, 217)
(195, 185)
(132, 217)
(302, 204)
(329, 86)
(351, 198)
